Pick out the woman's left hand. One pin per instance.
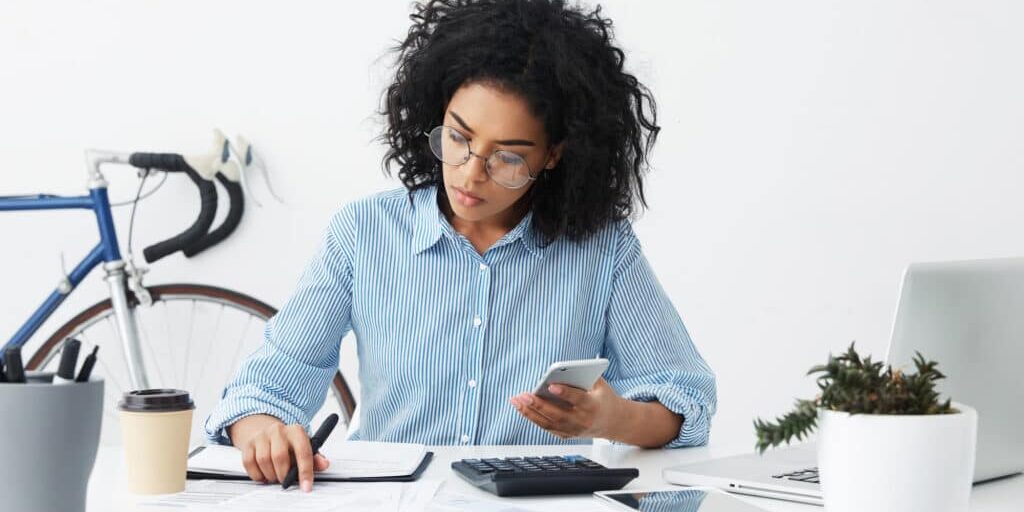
(591, 413)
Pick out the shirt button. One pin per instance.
(477, 321)
(465, 438)
(472, 383)
(483, 266)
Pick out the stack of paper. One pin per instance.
(219, 496)
(349, 460)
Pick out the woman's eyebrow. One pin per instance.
(511, 142)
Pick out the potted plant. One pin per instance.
(886, 441)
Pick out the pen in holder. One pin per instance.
(50, 436)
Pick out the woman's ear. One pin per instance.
(554, 155)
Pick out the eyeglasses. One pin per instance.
(506, 168)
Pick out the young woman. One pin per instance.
(521, 144)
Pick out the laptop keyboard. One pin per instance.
(809, 475)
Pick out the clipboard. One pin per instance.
(415, 475)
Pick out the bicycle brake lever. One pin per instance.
(135, 282)
(251, 159)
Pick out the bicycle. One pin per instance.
(125, 322)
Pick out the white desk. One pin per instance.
(107, 489)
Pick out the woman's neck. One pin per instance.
(484, 233)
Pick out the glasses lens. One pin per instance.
(508, 169)
(449, 145)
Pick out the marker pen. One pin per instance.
(15, 371)
(90, 361)
(68, 362)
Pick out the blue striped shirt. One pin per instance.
(445, 335)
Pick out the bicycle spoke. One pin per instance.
(152, 355)
(146, 338)
(113, 394)
(241, 341)
(188, 342)
(167, 327)
(209, 347)
(99, 360)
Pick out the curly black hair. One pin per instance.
(561, 60)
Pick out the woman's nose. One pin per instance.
(476, 167)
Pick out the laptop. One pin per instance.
(968, 316)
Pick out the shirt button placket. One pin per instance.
(479, 326)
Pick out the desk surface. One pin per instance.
(107, 489)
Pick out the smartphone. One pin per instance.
(681, 500)
(582, 373)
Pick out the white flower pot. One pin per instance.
(897, 462)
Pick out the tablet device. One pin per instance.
(675, 500)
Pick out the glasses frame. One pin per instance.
(487, 160)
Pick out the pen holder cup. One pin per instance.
(50, 434)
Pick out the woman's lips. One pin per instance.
(466, 199)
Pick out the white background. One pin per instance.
(810, 150)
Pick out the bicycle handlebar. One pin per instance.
(172, 162)
(234, 217)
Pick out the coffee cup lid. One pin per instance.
(156, 400)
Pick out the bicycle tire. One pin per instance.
(341, 391)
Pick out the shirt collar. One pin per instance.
(525, 234)
(428, 221)
(430, 224)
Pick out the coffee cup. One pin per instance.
(155, 427)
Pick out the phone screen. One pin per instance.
(684, 500)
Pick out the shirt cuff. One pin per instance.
(696, 411)
(248, 401)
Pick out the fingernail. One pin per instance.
(556, 390)
(307, 485)
(514, 400)
(527, 399)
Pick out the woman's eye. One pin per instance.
(456, 136)
(510, 158)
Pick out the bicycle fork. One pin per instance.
(127, 328)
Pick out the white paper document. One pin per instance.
(453, 502)
(221, 496)
(349, 459)
(326, 497)
(200, 493)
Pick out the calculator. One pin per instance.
(528, 476)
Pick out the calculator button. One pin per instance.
(525, 476)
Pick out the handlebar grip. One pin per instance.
(234, 217)
(170, 162)
(173, 162)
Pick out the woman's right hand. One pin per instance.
(268, 445)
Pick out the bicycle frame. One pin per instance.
(106, 252)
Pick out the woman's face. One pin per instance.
(491, 120)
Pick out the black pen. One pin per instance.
(68, 362)
(317, 441)
(15, 370)
(90, 361)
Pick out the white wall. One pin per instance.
(810, 150)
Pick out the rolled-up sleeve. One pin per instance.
(288, 376)
(651, 354)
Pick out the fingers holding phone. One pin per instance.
(571, 400)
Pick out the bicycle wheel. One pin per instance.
(193, 338)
